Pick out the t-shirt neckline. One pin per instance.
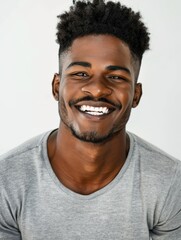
(99, 192)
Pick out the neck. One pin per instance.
(86, 167)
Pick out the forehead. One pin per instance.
(98, 47)
(102, 44)
(100, 51)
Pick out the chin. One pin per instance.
(93, 136)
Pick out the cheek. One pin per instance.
(68, 91)
(125, 96)
(63, 100)
(67, 94)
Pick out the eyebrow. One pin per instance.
(83, 64)
(114, 68)
(110, 68)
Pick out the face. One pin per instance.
(96, 88)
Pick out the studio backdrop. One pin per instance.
(29, 59)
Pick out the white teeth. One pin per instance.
(95, 113)
(94, 110)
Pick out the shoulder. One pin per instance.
(153, 156)
(158, 170)
(22, 156)
(160, 178)
(23, 148)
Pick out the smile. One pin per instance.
(95, 111)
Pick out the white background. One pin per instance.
(28, 60)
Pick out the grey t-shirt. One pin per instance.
(142, 202)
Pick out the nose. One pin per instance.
(97, 88)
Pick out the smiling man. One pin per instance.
(90, 179)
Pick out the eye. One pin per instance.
(114, 77)
(117, 78)
(80, 74)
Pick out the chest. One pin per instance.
(111, 216)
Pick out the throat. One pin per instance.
(85, 168)
(86, 178)
(84, 183)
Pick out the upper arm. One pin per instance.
(8, 224)
(169, 225)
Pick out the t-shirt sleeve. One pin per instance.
(169, 225)
(8, 226)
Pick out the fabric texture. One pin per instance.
(142, 202)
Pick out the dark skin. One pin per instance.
(98, 67)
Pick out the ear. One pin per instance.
(55, 86)
(137, 95)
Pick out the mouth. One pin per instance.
(95, 110)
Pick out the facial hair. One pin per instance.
(90, 136)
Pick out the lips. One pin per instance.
(96, 111)
(95, 108)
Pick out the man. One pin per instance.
(90, 178)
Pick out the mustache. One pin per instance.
(89, 98)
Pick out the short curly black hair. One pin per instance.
(88, 17)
